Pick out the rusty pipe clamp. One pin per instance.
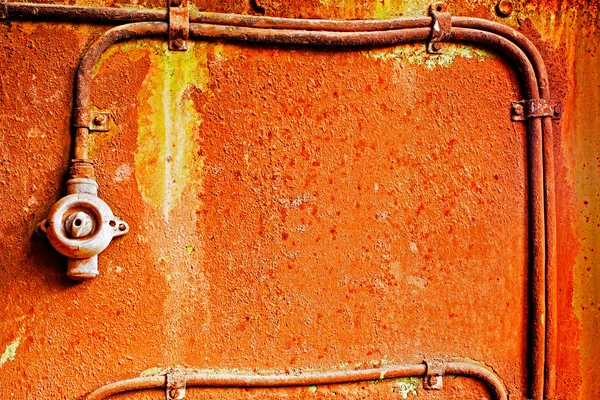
(81, 225)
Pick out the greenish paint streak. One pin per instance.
(167, 122)
(10, 352)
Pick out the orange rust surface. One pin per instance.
(332, 210)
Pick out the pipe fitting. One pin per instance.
(81, 226)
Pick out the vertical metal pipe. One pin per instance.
(81, 150)
(538, 270)
(551, 271)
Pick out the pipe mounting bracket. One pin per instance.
(433, 377)
(179, 24)
(176, 383)
(94, 121)
(536, 108)
(441, 27)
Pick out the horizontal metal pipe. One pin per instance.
(113, 15)
(120, 15)
(127, 385)
(69, 13)
(194, 379)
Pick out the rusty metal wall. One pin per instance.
(298, 208)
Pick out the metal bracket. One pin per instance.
(176, 382)
(433, 377)
(3, 9)
(441, 27)
(95, 121)
(538, 108)
(179, 24)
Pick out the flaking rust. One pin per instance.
(275, 306)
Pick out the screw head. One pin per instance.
(100, 120)
(518, 109)
(176, 393)
(504, 8)
(558, 110)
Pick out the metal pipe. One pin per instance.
(360, 32)
(113, 15)
(386, 37)
(86, 66)
(535, 57)
(551, 265)
(69, 13)
(196, 379)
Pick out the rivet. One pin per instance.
(100, 120)
(518, 109)
(558, 109)
(504, 8)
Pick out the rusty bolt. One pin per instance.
(504, 8)
(436, 46)
(175, 393)
(100, 120)
(518, 109)
(558, 110)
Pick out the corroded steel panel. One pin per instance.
(296, 209)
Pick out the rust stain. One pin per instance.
(167, 158)
(238, 257)
(584, 175)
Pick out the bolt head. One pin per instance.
(176, 393)
(558, 109)
(518, 109)
(504, 8)
(100, 120)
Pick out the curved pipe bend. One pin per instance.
(280, 36)
(205, 380)
(363, 33)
